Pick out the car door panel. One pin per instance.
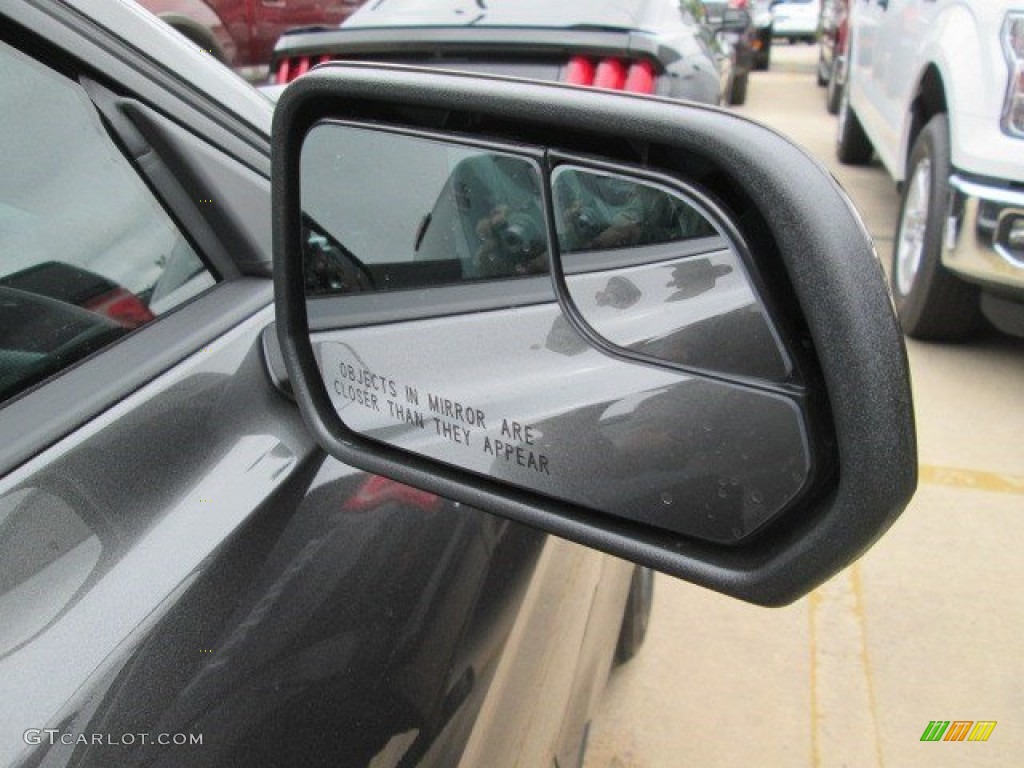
(180, 558)
(539, 703)
(594, 659)
(148, 501)
(252, 591)
(328, 655)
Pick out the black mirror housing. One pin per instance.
(815, 266)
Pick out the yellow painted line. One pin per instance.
(869, 678)
(972, 479)
(813, 601)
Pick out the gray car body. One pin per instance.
(180, 557)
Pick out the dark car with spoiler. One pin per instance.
(659, 47)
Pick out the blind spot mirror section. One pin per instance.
(651, 271)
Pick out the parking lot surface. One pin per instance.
(926, 627)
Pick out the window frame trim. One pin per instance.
(42, 415)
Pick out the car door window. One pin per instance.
(87, 254)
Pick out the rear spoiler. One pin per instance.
(519, 41)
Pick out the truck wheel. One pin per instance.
(932, 303)
(833, 90)
(637, 614)
(738, 92)
(853, 147)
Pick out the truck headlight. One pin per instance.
(1013, 48)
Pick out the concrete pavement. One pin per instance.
(927, 626)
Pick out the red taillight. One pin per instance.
(641, 77)
(637, 76)
(283, 72)
(611, 74)
(580, 71)
(290, 69)
(741, 4)
(122, 307)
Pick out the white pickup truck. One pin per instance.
(936, 89)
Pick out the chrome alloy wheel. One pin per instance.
(913, 225)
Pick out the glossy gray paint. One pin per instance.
(518, 395)
(177, 555)
(698, 311)
(155, 510)
(200, 568)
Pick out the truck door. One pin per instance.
(901, 28)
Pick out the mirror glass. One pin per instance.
(387, 211)
(438, 329)
(650, 273)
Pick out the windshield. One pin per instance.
(613, 14)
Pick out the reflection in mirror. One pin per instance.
(389, 211)
(519, 396)
(597, 211)
(499, 380)
(650, 273)
(47, 553)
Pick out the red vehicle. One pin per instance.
(242, 33)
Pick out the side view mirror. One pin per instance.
(655, 329)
